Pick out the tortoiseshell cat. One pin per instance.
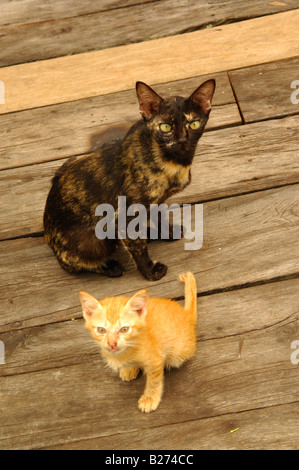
(144, 333)
(150, 164)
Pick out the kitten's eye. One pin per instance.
(194, 125)
(124, 329)
(165, 127)
(100, 330)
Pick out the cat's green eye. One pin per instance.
(194, 125)
(100, 330)
(165, 127)
(124, 329)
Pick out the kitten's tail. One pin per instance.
(190, 293)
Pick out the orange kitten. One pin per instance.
(144, 333)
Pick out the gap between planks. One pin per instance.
(107, 71)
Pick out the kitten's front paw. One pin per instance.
(148, 404)
(157, 271)
(129, 373)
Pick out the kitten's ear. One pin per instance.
(203, 95)
(149, 100)
(90, 305)
(138, 303)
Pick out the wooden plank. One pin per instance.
(173, 58)
(55, 29)
(273, 428)
(247, 239)
(227, 162)
(264, 91)
(44, 408)
(222, 315)
(32, 11)
(25, 138)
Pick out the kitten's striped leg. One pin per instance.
(151, 398)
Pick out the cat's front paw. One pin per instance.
(156, 272)
(129, 373)
(148, 404)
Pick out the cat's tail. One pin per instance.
(190, 293)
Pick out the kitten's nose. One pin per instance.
(112, 342)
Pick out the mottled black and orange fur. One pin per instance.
(147, 167)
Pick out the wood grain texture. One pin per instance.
(247, 239)
(53, 29)
(62, 405)
(173, 58)
(61, 130)
(28, 12)
(265, 429)
(33, 11)
(227, 162)
(56, 392)
(264, 92)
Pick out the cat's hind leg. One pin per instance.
(83, 252)
(109, 267)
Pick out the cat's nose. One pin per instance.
(182, 138)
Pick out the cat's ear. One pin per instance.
(203, 95)
(138, 303)
(90, 305)
(149, 100)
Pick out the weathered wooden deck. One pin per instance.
(65, 80)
